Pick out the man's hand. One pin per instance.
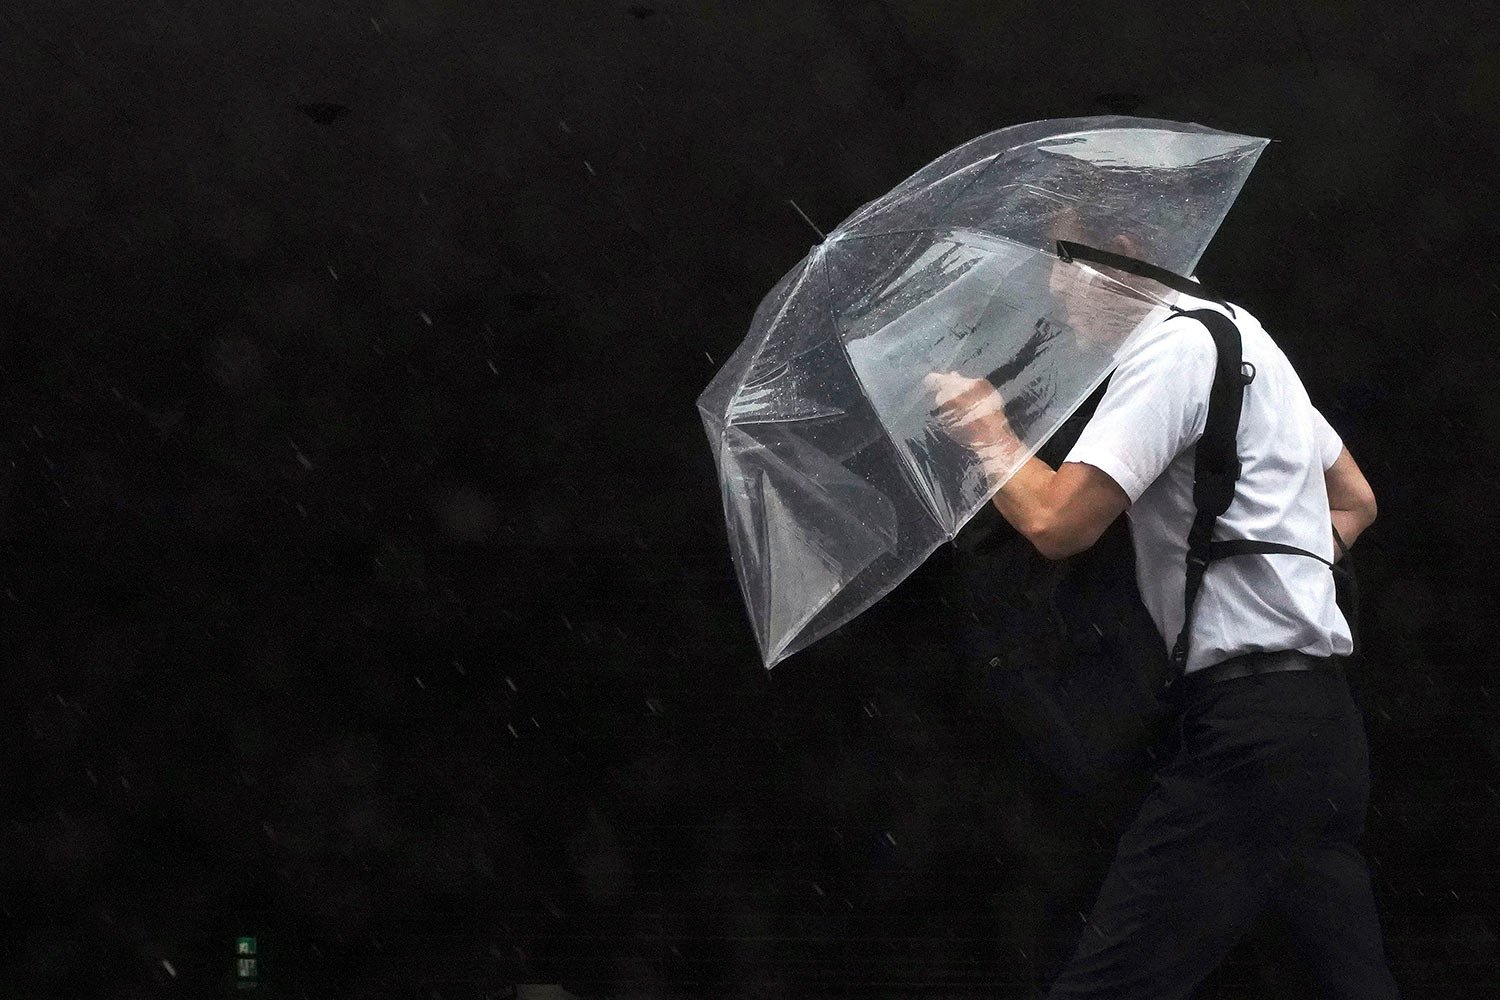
(972, 412)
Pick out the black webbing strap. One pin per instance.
(1070, 251)
(1245, 546)
(1216, 464)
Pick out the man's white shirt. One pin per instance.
(1142, 436)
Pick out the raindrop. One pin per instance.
(306, 462)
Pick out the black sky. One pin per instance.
(363, 580)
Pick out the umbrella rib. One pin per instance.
(770, 325)
(928, 501)
(938, 216)
(987, 234)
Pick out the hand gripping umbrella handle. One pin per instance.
(1069, 251)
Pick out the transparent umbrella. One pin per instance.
(837, 477)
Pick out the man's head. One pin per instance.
(1098, 303)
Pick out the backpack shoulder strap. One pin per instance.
(1216, 463)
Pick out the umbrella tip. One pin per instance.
(805, 219)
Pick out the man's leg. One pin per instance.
(1182, 890)
(1330, 911)
(1327, 898)
(1247, 792)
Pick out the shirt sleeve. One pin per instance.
(1155, 406)
(1330, 445)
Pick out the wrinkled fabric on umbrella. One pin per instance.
(837, 479)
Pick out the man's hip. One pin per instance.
(1282, 731)
(1249, 664)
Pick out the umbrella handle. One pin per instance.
(1069, 251)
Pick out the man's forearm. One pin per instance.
(1024, 500)
(1061, 511)
(1349, 524)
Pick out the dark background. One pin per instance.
(363, 582)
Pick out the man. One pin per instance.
(1264, 802)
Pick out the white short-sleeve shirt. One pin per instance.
(1143, 435)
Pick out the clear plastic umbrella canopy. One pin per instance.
(836, 475)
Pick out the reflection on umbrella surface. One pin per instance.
(837, 480)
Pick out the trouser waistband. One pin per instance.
(1261, 663)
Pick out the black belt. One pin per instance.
(1261, 663)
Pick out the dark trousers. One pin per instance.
(1262, 805)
